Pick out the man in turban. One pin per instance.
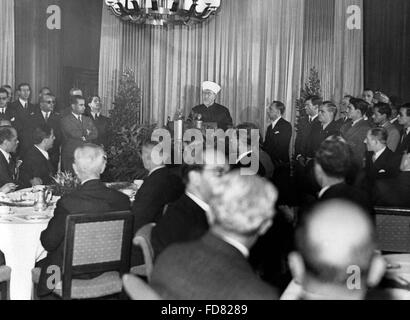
(211, 111)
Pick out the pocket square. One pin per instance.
(277, 132)
(382, 171)
(13, 119)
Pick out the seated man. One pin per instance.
(188, 218)
(37, 168)
(91, 197)
(335, 253)
(8, 145)
(215, 267)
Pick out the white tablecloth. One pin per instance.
(20, 243)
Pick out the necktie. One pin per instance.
(405, 134)
(12, 167)
(25, 105)
(46, 116)
(80, 119)
(2, 110)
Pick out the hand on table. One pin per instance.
(8, 187)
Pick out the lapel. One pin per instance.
(381, 160)
(77, 123)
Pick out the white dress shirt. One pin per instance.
(23, 103)
(45, 153)
(275, 122)
(77, 116)
(95, 114)
(378, 154)
(312, 118)
(202, 204)
(46, 115)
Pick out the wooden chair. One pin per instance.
(393, 229)
(138, 289)
(5, 273)
(142, 239)
(94, 243)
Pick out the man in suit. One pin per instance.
(8, 145)
(404, 120)
(46, 115)
(394, 192)
(23, 108)
(101, 122)
(343, 111)
(91, 197)
(381, 116)
(37, 168)
(188, 218)
(355, 132)
(77, 130)
(215, 267)
(7, 112)
(210, 110)
(334, 243)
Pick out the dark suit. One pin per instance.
(73, 132)
(303, 135)
(207, 269)
(387, 165)
(35, 165)
(9, 114)
(355, 136)
(393, 192)
(183, 221)
(54, 121)
(92, 197)
(318, 135)
(7, 171)
(342, 121)
(404, 144)
(101, 123)
(215, 113)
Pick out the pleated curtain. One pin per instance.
(7, 42)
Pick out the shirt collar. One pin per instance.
(155, 169)
(95, 114)
(44, 152)
(235, 243)
(275, 122)
(23, 103)
(313, 118)
(201, 203)
(357, 121)
(76, 115)
(45, 113)
(6, 155)
(322, 192)
(378, 153)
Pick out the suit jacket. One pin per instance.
(75, 134)
(183, 221)
(207, 269)
(102, 127)
(355, 136)
(277, 142)
(394, 136)
(342, 121)
(318, 135)
(10, 115)
(54, 121)
(215, 113)
(387, 165)
(35, 165)
(303, 136)
(404, 144)
(23, 125)
(92, 197)
(393, 192)
(159, 188)
(7, 171)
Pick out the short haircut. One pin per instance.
(2, 90)
(241, 204)
(24, 84)
(335, 157)
(368, 89)
(248, 126)
(74, 89)
(379, 134)
(6, 86)
(360, 104)
(44, 88)
(280, 106)
(6, 133)
(89, 159)
(41, 132)
(407, 107)
(348, 96)
(383, 108)
(316, 100)
(43, 97)
(74, 99)
(331, 107)
(91, 98)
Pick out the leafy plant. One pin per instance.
(64, 182)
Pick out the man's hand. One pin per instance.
(36, 182)
(8, 187)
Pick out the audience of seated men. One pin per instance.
(381, 116)
(8, 146)
(189, 218)
(215, 267)
(404, 121)
(91, 197)
(37, 168)
(335, 255)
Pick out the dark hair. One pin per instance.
(383, 108)
(2, 90)
(6, 133)
(407, 107)
(42, 98)
(316, 100)
(6, 86)
(41, 132)
(360, 104)
(380, 134)
(24, 84)
(335, 157)
(90, 99)
(331, 107)
(74, 99)
(368, 89)
(280, 106)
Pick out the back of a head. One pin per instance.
(89, 161)
(243, 204)
(335, 237)
(6, 133)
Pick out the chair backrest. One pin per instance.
(5, 273)
(95, 243)
(142, 239)
(393, 229)
(137, 289)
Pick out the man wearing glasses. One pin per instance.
(46, 115)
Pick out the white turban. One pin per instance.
(212, 86)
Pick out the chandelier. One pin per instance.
(164, 12)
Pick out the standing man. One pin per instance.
(210, 110)
(6, 112)
(277, 144)
(381, 116)
(101, 122)
(23, 109)
(343, 112)
(46, 115)
(77, 130)
(8, 145)
(404, 120)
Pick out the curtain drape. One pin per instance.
(7, 42)
(253, 49)
(333, 49)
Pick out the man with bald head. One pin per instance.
(92, 196)
(335, 255)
